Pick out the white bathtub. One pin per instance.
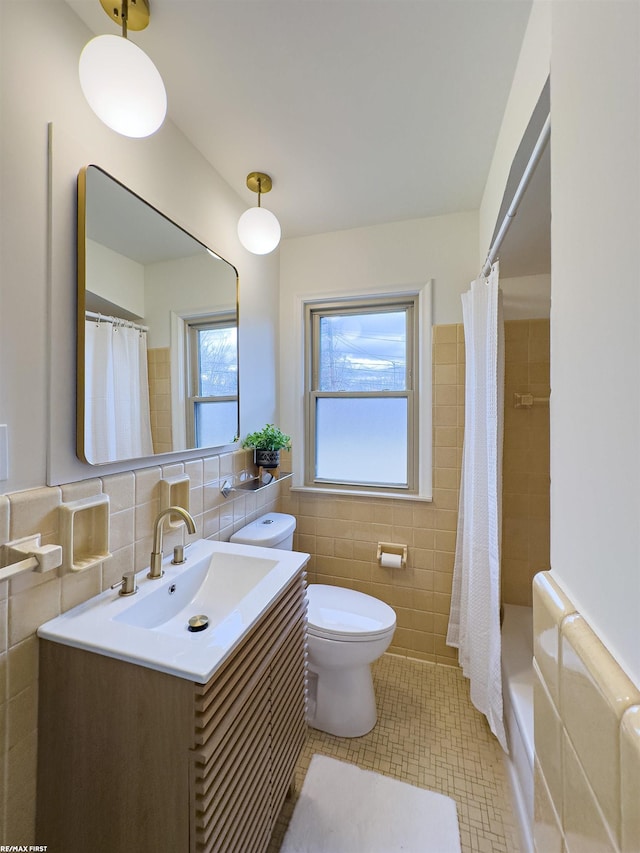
(517, 689)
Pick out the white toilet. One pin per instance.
(347, 632)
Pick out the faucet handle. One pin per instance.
(178, 555)
(127, 584)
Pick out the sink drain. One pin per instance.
(198, 623)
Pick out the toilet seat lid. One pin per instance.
(346, 614)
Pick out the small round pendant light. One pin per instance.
(258, 229)
(121, 84)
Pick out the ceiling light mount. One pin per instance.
(259, 182)
(132, 14)
(258, 228)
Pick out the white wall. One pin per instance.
(370, 260)
(114, 277)
(595, 317)
(210, 286)
(40, 44)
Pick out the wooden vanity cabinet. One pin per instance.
(130, 758)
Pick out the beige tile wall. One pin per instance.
(26, 601)
(342, 533)
(160, 398)
(525, 483)
(587, 734)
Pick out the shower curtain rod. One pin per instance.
(118, 321)
(536, 154)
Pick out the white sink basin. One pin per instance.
(232, 585)
(214, 586)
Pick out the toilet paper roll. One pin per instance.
(391, 561)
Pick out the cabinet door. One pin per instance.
(113, 751)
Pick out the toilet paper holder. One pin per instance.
(393, 550)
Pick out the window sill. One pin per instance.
(362, 493)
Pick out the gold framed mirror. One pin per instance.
(157, 323)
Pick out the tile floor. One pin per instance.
(430, 735)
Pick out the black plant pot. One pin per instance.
(267, 458)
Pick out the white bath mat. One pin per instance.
(343, 809)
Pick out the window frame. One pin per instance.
(417, 393)
(193, 326)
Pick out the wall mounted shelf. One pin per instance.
(85, 532)
(174, 491)
(264, 479)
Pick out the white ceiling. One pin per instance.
(362, 111)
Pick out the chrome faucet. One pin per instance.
(155, 564)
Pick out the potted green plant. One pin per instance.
(267, 444)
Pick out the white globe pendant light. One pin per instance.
(258, 228)
(121, 84)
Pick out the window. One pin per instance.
(362, 402)
(212, 366)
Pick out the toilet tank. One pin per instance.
(273, 530)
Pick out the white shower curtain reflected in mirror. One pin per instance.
(474, 622)
(117, 416)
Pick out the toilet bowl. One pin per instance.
(346, 632)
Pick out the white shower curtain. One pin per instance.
(117, 416)
(474, 622)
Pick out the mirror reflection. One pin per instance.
(157, 331)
